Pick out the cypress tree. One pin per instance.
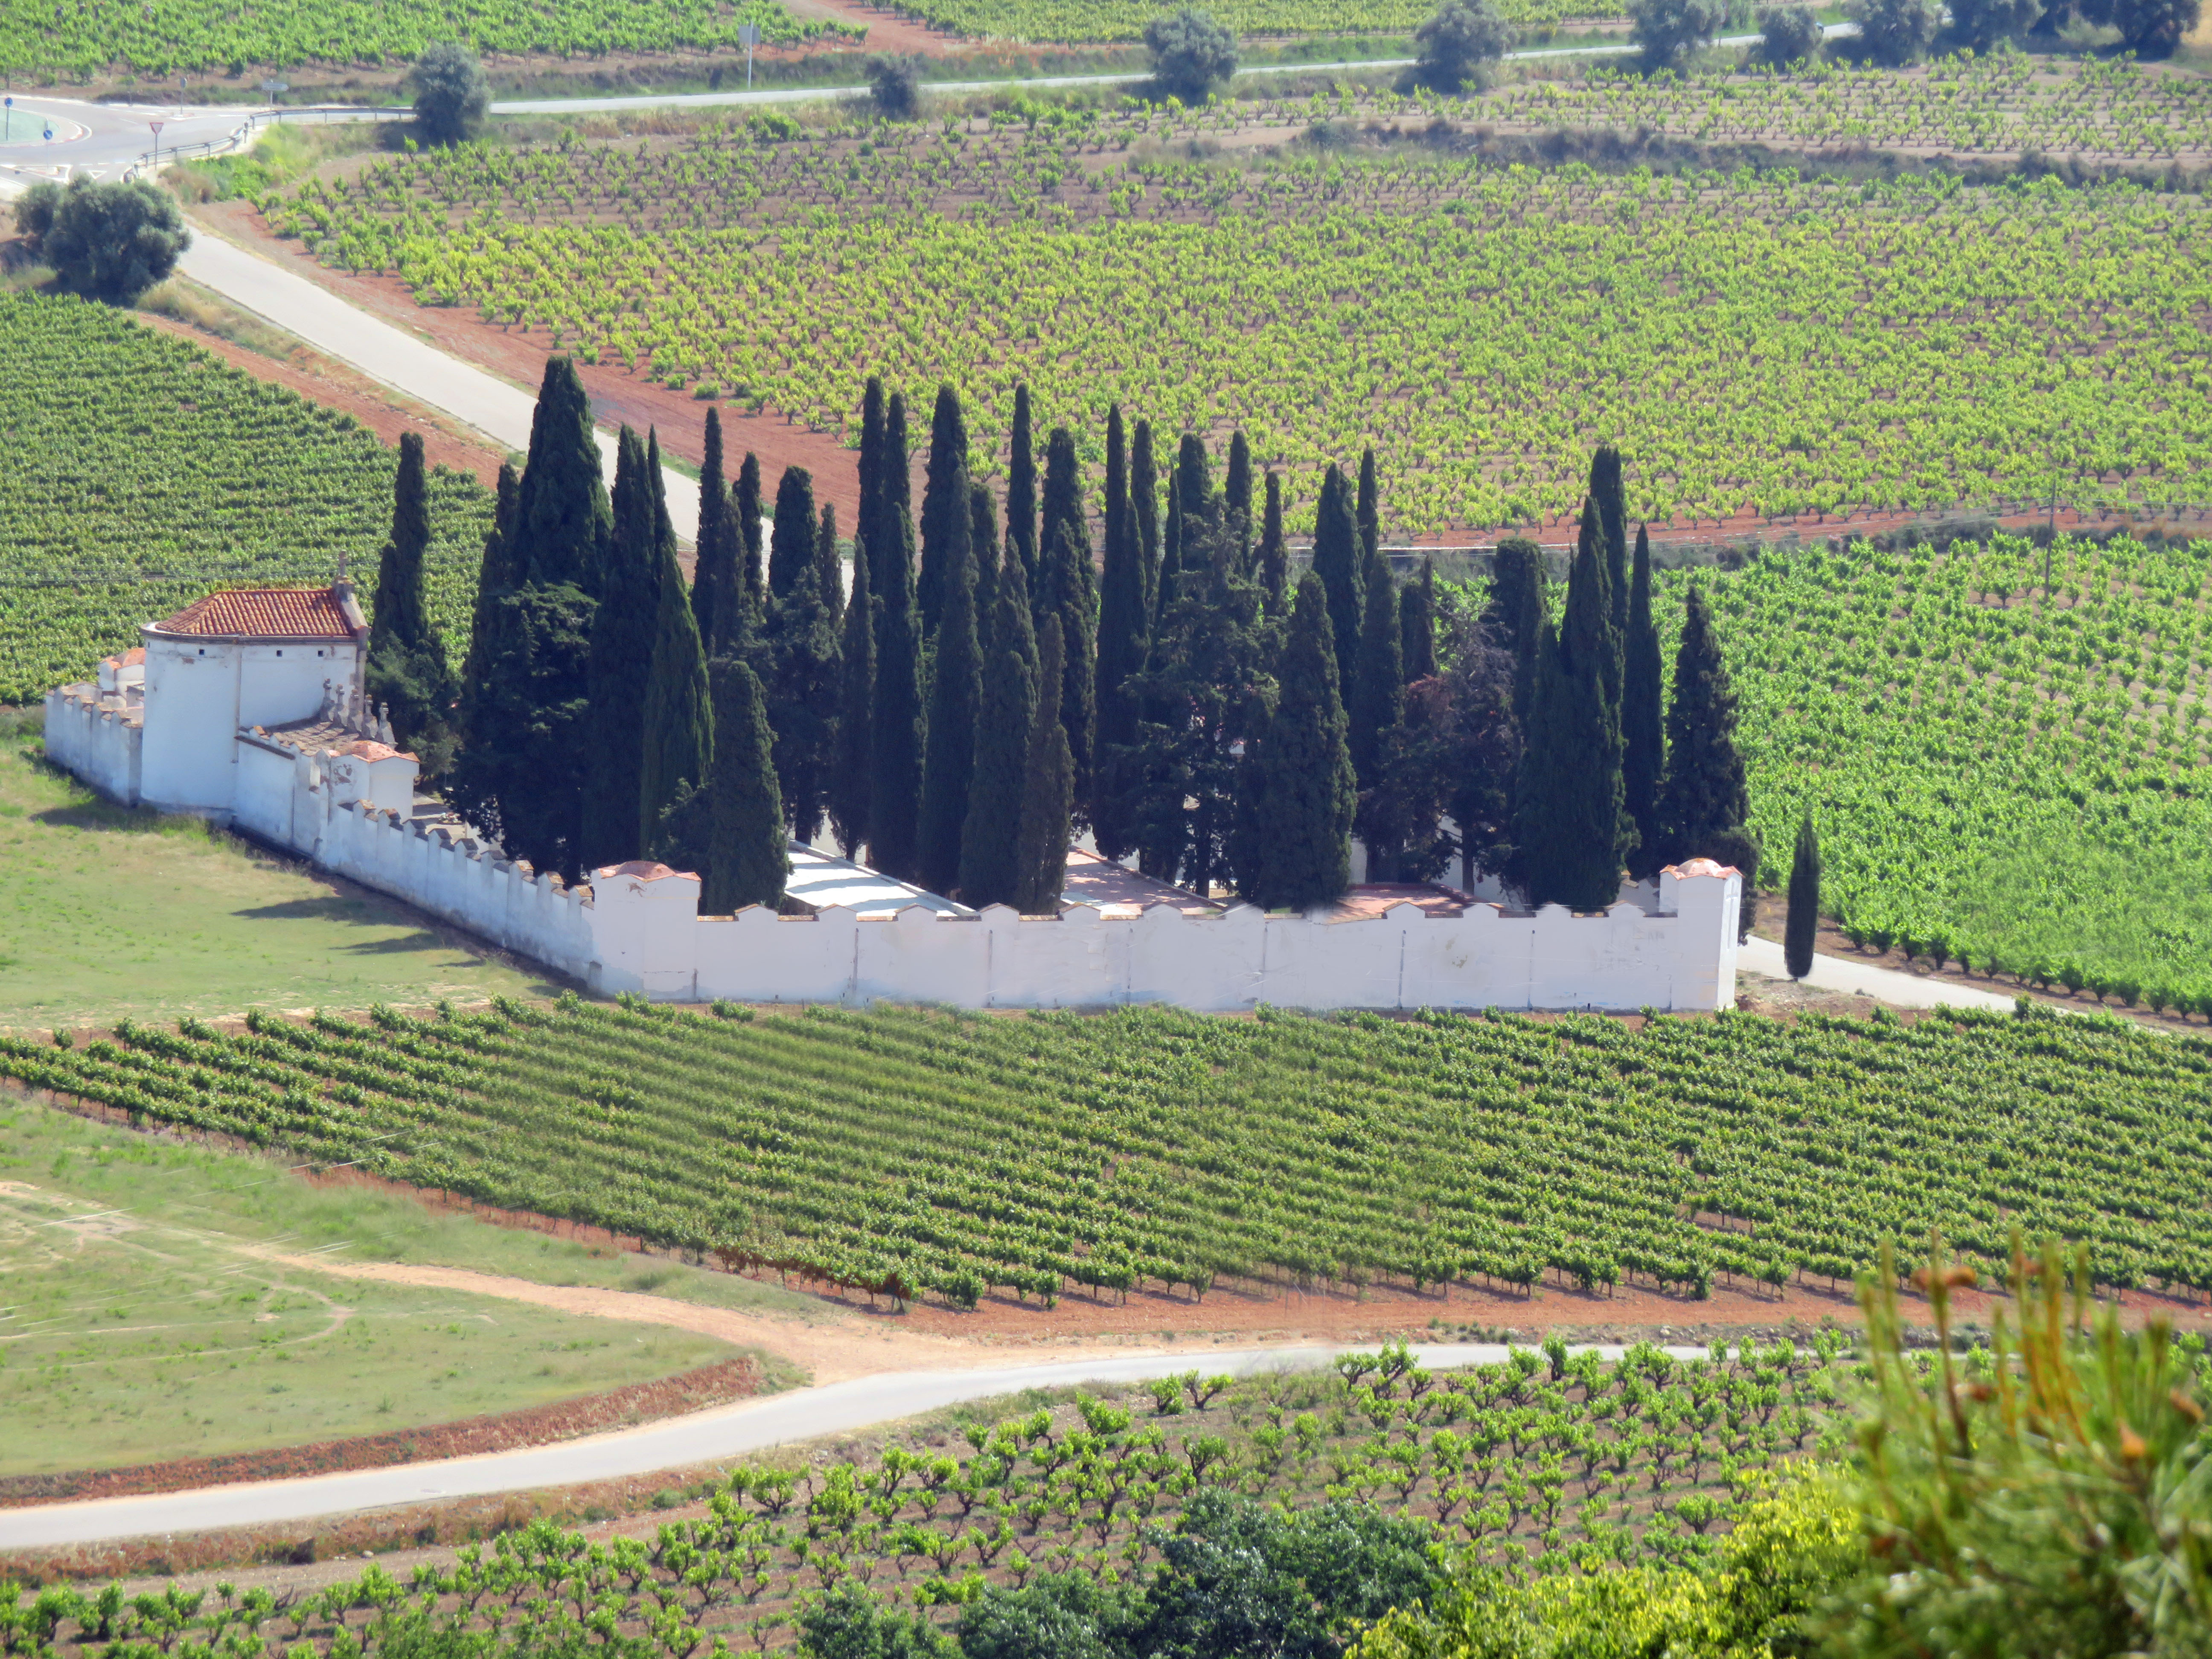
(1417, 624)
(791, 543)
(718, 572)
(1070, 584)
(1591, 538)
(856, 699)
(748, 859)
(1145, 506)
(562, 519)
(526, 702)
(1643, 755)
(1237, 493)
(1048, 789)
(944, 503)
(1338, 561)
(1272, 557)
(896, 756)
(1163, 585)
(955, 692)
(1123, 635)
(679, 713)
(407, 667)
(1378, 698)
(1705, 796)
(829, 568)
(869, 527)
(1021, 485)
(495, 579)
(1802, 927)
(1304, 787)
(1370, 507)
(1569, 825)
(1516, 612)
(983, 548)
(1193, 479)
(802, 688)
(1608, 490)
(990, 841)
(623, 638)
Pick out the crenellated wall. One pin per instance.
(98, 738)
(1682, 956)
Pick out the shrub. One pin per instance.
(1896, 31)
(452, 96)
(2152, 28)
(1669, 31)
(894, 87)
(1789, 34)
(1981, 24)
(1191, 54)
(1457, 46)
(105, 241)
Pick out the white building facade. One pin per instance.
(246, 707)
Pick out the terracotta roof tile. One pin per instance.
(280, 613)
(130, 659)
(368, 750)
(643, 869)
(1701, 867)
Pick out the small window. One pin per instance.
(203, 651)
(280, 650)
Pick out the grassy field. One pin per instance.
(107, 913)
(143, 1320)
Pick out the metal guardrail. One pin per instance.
(243, 135)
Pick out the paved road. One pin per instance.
(1764, 956)
(392, 355)
(727, 1432)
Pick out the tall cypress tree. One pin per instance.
(791, 542)
(1370, 506)
(1144, 507)
(1124, 632)
(1338, 560)
(1591, 538)
(731, 830)
(1516, 612)
(1417, 624)
(562, 519)
(1194, 478)
(955, 691)
(802, 687)
(1609, 489)
(944, 503)
(1069, 581)
(1643, 755)
(623, 635)
(1801, 930)
(679, 711)
(526, 698)
(495, 578)
(1163, 580)
(1237, 493)
(850, 777)
(990, 841)
(1048, 789)
(869, 526)
(1022, 484)
(746, 511)
(896, 756)
(1569, 823)
(718, 574)
(983, 549)
(1272, 559)
(407, 667)
(1304, 787)
(1705, 796)
(829, 568)
(1378, 699)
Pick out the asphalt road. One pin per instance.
(727, 1432)
(1764, 956)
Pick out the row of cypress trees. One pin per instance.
(985, 691)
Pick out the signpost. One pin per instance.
(749, 37)
(156, 126)
(7, 116)
(276, 89)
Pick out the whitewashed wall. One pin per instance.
(94, 743)
(650, 940)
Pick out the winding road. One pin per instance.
(726, 1432)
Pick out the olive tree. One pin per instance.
(1981, 24)
(1667, 32)
(1457, 46)
(1896, 31)
(1192, 53)
(894, 87)
(1787, 35)
(106, 242)
(2149, 28)
(452, 96)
